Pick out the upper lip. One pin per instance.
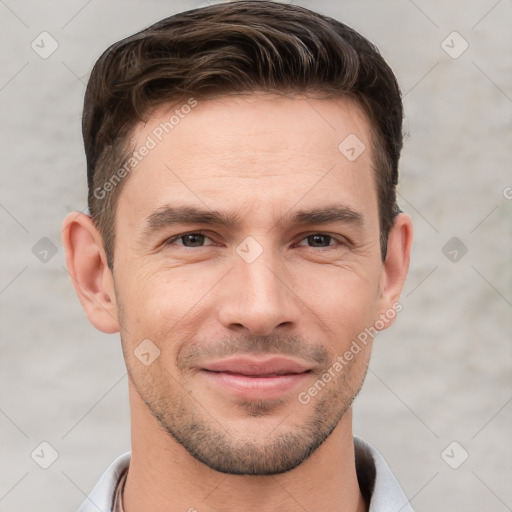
(252, 366)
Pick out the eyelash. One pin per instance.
(338, 242)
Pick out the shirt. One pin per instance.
(378, 485)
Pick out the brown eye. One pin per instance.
(196, 239)
(319, 240)
(193, 240)
(324, 241)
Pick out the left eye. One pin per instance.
(318, 240)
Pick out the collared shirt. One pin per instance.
(377, 483)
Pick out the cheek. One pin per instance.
(163, 304)
(345, 299)
(145, 291)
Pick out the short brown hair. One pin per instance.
(235, 48)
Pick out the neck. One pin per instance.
(163, 476)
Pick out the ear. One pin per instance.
(87, 265)
(396, 265)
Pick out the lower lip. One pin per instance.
(256, 388)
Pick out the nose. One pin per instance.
(257, 297)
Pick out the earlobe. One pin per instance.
(397, 260)
(87, 265)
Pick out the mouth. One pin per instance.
(252, 367)
(251, 378)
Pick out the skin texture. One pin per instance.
(261, 158)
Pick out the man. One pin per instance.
(244, 240)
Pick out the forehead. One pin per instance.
(226, 122)
(251, 150)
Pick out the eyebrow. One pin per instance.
(168, 215)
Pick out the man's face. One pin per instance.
(251, 304)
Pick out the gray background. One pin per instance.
(441, 374)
